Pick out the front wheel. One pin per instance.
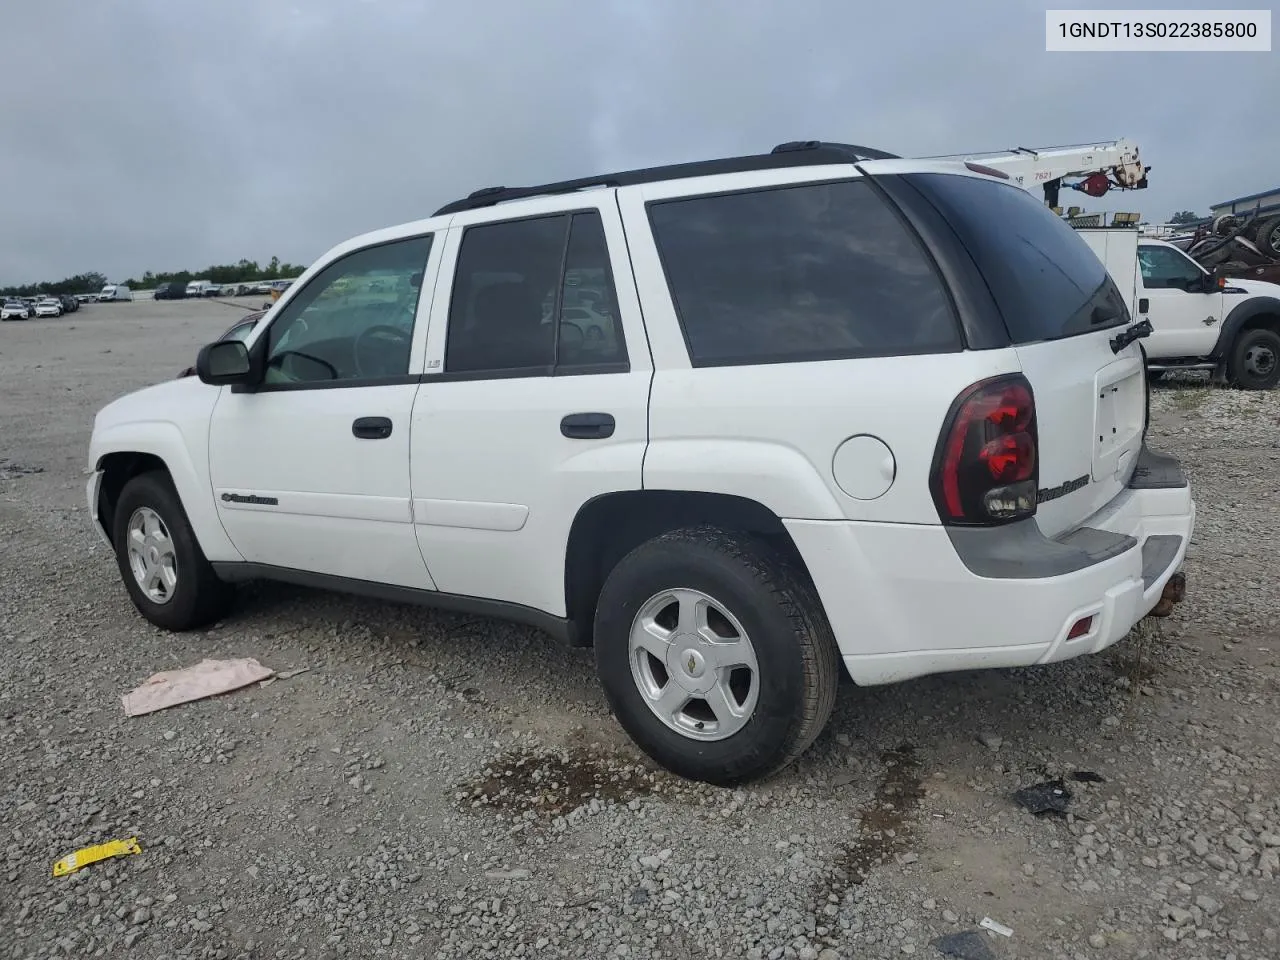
(1255, 360)
(715, 655)
(163, 568)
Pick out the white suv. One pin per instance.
(852, 409)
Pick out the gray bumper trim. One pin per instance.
(1019, 551)
(1158, 553)
(1155, 471)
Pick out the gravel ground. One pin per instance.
(449, 787)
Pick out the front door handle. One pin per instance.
(587, 426)
(371, 428)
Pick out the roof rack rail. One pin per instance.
(796, 153)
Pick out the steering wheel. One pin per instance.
(389, 340)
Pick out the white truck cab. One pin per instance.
(739, 425)
(1199, 321)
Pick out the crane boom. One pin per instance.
(1115, 163)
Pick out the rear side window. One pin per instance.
(535, 296)
(820, 271)
(1045, 280)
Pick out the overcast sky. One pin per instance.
(162, 135)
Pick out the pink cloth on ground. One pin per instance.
(206, 679)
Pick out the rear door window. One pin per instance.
(1046, 281)
(819, 271)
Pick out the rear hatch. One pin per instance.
(1063, 312)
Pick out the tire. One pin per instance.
(796, 664)
(1254, 363)
(195, 597)
(1267, 236)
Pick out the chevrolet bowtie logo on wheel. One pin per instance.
(693, 663)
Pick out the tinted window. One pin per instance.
(813, 272)
(1164, 268)
(499, 318)
(1046, 281)
(353, 320)
(533, 295)
(589, 329)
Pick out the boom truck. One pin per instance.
(1198, 318)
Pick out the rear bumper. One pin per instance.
(906, 600)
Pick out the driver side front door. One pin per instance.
(310, 469)
(1184, 319)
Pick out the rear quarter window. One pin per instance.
(819, 271)
(1046, 281)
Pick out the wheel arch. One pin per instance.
(1254, 313)
(608, 527)
(125, 452)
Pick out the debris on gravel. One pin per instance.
(443, 786)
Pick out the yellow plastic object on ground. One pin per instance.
(82, 858)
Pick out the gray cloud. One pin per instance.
(147, 134)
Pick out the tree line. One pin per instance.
(244, 271)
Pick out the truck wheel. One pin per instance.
(715, 655)
(1255, 360)
(163, 568)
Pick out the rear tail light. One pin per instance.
(985, 469)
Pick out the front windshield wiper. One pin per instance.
(1130, 334)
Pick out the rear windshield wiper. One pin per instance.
(1130, 334)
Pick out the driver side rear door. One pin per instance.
(310, 469)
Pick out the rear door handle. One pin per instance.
(371, 428)
(587, 426)
(1144, 305)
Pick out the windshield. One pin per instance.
(1046, 281)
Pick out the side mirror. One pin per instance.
(224, 363)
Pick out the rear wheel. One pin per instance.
(163, 568)
(1255, 360)
(715, 655)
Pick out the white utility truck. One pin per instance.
(1198, 321)
(115, 291)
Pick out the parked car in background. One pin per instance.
(15, 310)
(196, 288)
(171, 291)
(50, 307)
(115, 291)
(69, 303)
(213, 290)
(86, 297)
